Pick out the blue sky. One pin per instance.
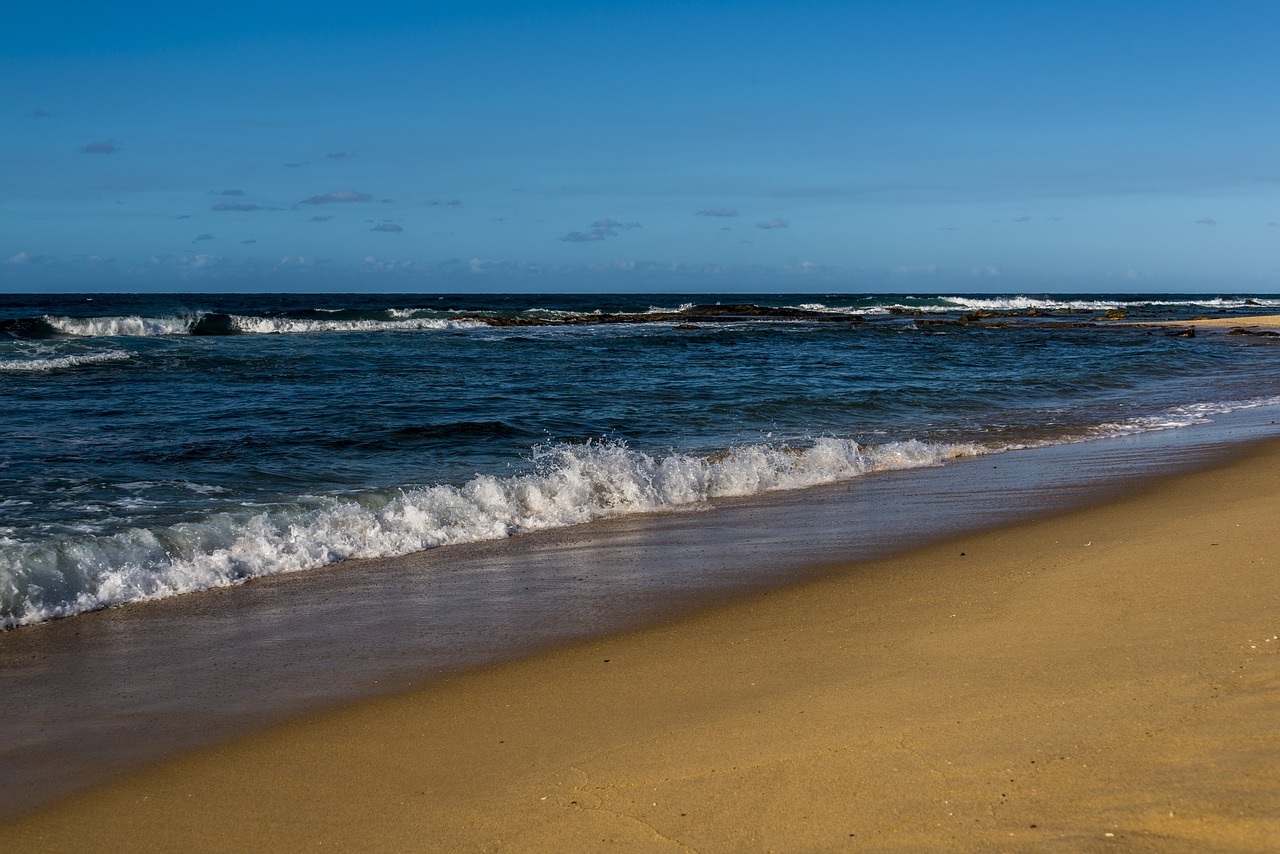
(920, 146)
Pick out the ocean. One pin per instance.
(157, 445)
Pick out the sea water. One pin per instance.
(152, 445)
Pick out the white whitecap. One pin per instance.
(286, 325)
(58, 363)
(571, 484)
(132, 326)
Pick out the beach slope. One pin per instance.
(1103, 680)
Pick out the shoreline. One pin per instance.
(1104, 675)
(1259, 321)
(94, 696)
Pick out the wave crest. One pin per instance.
(570, 484)
(55, 363)
(135, 326)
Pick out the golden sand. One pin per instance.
(1261, 321)
(1107, 680)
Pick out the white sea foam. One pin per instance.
(551, 313)
(571, 484)
(1174, 418)
(286, 325)
(135, 326)
(132, 326)
(58, 363)
(1024, 303)
(1179, 416)
(952, 302)
(1229, 302)
(823, 308)
(1021, 303)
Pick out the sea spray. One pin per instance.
(120, 327)
(570, 484)
(57, 363)
(226, 324)
(153, 444)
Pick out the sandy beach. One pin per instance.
(1102, 680)
(722, 427)
(1259, 321)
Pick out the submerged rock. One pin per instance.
(214, 324)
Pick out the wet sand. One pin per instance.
(1105, 679)
(89, 698)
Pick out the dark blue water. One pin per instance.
(156, 444)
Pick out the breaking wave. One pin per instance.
(134, 326)
(57, 363)
(951, 303)
(570, 484)
(1023, 303)
(1179, 416)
